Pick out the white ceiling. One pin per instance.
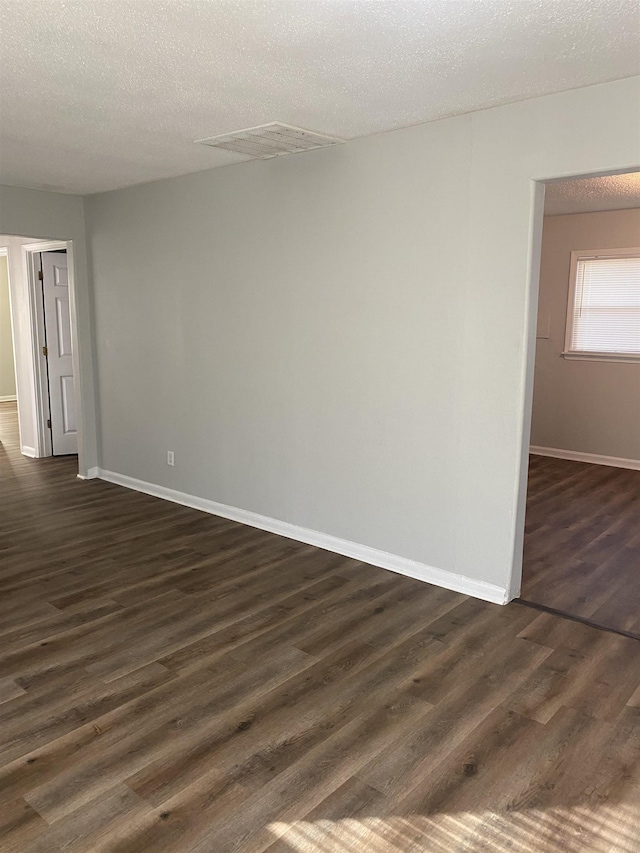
(587, 195)
(99, 94)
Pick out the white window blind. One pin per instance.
(604, 305)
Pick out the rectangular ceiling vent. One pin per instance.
(270, 140)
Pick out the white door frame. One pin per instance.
(41, 386)
(36, 317)
(538, 186)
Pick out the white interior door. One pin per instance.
(57, 321)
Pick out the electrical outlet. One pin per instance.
(170, 459)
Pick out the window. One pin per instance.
(603, 314)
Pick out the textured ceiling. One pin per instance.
(586, 195)
(98, 94)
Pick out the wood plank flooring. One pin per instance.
(582, 541)
(170, 681)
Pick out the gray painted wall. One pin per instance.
(339, 339)
(585, 406)
(50, 216)
(7, 367)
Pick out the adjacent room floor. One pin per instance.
(582, 541)
(171, 681)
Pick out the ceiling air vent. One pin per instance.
(270, 140)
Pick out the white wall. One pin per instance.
(339, 339)
(582, 406)
(38, 215)
(7, 366)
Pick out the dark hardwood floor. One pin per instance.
(582, 541)
(171, 681)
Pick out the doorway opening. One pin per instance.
(582, 536)
(8, 396)
(7, 359)
(44, 326)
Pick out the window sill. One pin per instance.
(620, 357)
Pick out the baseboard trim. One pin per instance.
(8, 398)
(593, 458)
(90, 474)
(28, 451)
(363, 553)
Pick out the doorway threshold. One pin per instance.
(545, 609)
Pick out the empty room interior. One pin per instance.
(319, 426)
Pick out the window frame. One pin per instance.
(579, 355)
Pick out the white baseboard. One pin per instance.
(363, 553)
(90, 474)
(593, 458)
(28, 451)
(8, 398)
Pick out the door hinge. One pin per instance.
(48, 423)
(45, 351)
(40, 275)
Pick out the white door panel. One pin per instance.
(57, 320)
(68, 406)
(63, 326)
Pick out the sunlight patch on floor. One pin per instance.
(577, 829)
